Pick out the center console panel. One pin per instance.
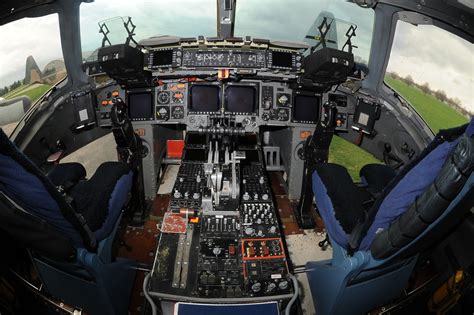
(225, 241)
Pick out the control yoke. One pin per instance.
(129, 145)
(130, 151)
(317, 146)
(316, 150)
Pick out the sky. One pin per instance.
(425, 52)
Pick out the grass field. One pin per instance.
(351, 156)
(12, 93)
(32, 91)
(436, 114)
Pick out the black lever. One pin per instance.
(315, 151)
(130, 151)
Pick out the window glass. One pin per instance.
(434, 71)
(299, 20)
(183, 18)
(31, 63)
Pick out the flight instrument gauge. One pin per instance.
(178, 97)
(163, 97)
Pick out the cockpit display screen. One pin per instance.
(162, 57)
(204, 98)
(140, 106)
(282, 59)
(240, 99)
(306, 109)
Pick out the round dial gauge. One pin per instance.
(178, 97)
(163, 97)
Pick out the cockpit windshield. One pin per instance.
(162, 17)
(299, 20)
(286, 21)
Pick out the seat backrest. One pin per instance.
(422, 185)
(26, 185)
(443, 204)
(23, 230)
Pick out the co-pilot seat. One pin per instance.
(69, 224)
(378, 229)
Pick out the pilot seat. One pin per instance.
(379, 228)
(69, 223)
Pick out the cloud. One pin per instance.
(184, 18)
(38, 37)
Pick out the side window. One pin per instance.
(433, 70)
(31, 64)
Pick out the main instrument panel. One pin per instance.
(246, 83)
(247, 103)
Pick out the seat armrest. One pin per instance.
(376, 177)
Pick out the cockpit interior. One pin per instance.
(231, 173)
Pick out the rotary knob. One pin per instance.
(216, 251)
(256, 287)
(249, 231)
(271, 287)
(283, 285)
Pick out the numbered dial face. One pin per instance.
(282, 114)
(177, 112)
(163, 97)
(178, 97)
(162, 113)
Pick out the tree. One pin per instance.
(409, 80)
(425, 88)
(457, 101)
(440, 95)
